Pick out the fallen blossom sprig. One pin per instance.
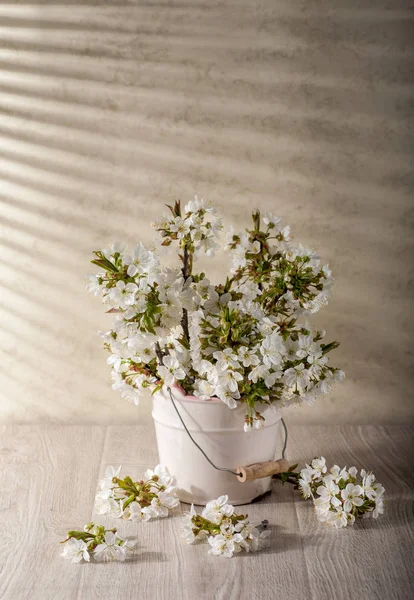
(142, 500)
(97, 542)
(339, 495)
(226, 532)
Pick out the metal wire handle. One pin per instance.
(202, 451)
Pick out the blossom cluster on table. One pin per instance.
(142, 500)
(341, 495)
(246, 339)
(226, 532)
(95, 541)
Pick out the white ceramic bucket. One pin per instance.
(219, 432)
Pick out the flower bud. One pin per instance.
(248, 422)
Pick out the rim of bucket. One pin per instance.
(212, 401)
(186, 397)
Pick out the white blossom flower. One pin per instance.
(134, 512)
(110, 473)
(128, 392)
(226, 358)
(338, 518)
(179, 226)
(336, 474)
(188, 528)
(75, 551)
(217, 509)
(304, 482)
(318, 302)
(215, 302)
(172, 309)
(322, 509)
(270, 219)
(301, 251)
(171, 370)
(227, 396)
(379, 489)
(110, 549)
(264, 372)
(352, 494)
(226, 546)
(228, 379)
(319, 466)
(114, 248)
(285, 233)
(317, 364)
(379, 507)
(140, 261)
(117, 363)
(247, 357)
(93, 284)
(205, 390)
(123, 294)
(199, 204)
(325, 385)
(290, 300)
(353, 471)
(297, 377)
(106, 504)
(306, 347)
(273, 349)
(160, 505)
(259, 422)
(207, 246)
(161, 474)
(328, 492)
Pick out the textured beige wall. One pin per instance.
(109, 111)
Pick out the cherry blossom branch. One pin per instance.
(339, 495)
(97, 542)
(226, 532)
(186, 270)
(152, 496)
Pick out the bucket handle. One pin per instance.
(255, 471)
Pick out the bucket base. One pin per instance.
(235, 502)
(230, 501)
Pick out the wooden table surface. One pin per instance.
(48, 479)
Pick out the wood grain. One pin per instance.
(48, 479)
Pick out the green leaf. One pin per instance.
(80, 535)
(105, 264)
(128, 501)
(328, 347)
(256, 220)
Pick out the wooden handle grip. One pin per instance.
(263, 469)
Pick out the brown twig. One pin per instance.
(186, 271)
(159, 353)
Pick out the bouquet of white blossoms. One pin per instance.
(246, 340)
